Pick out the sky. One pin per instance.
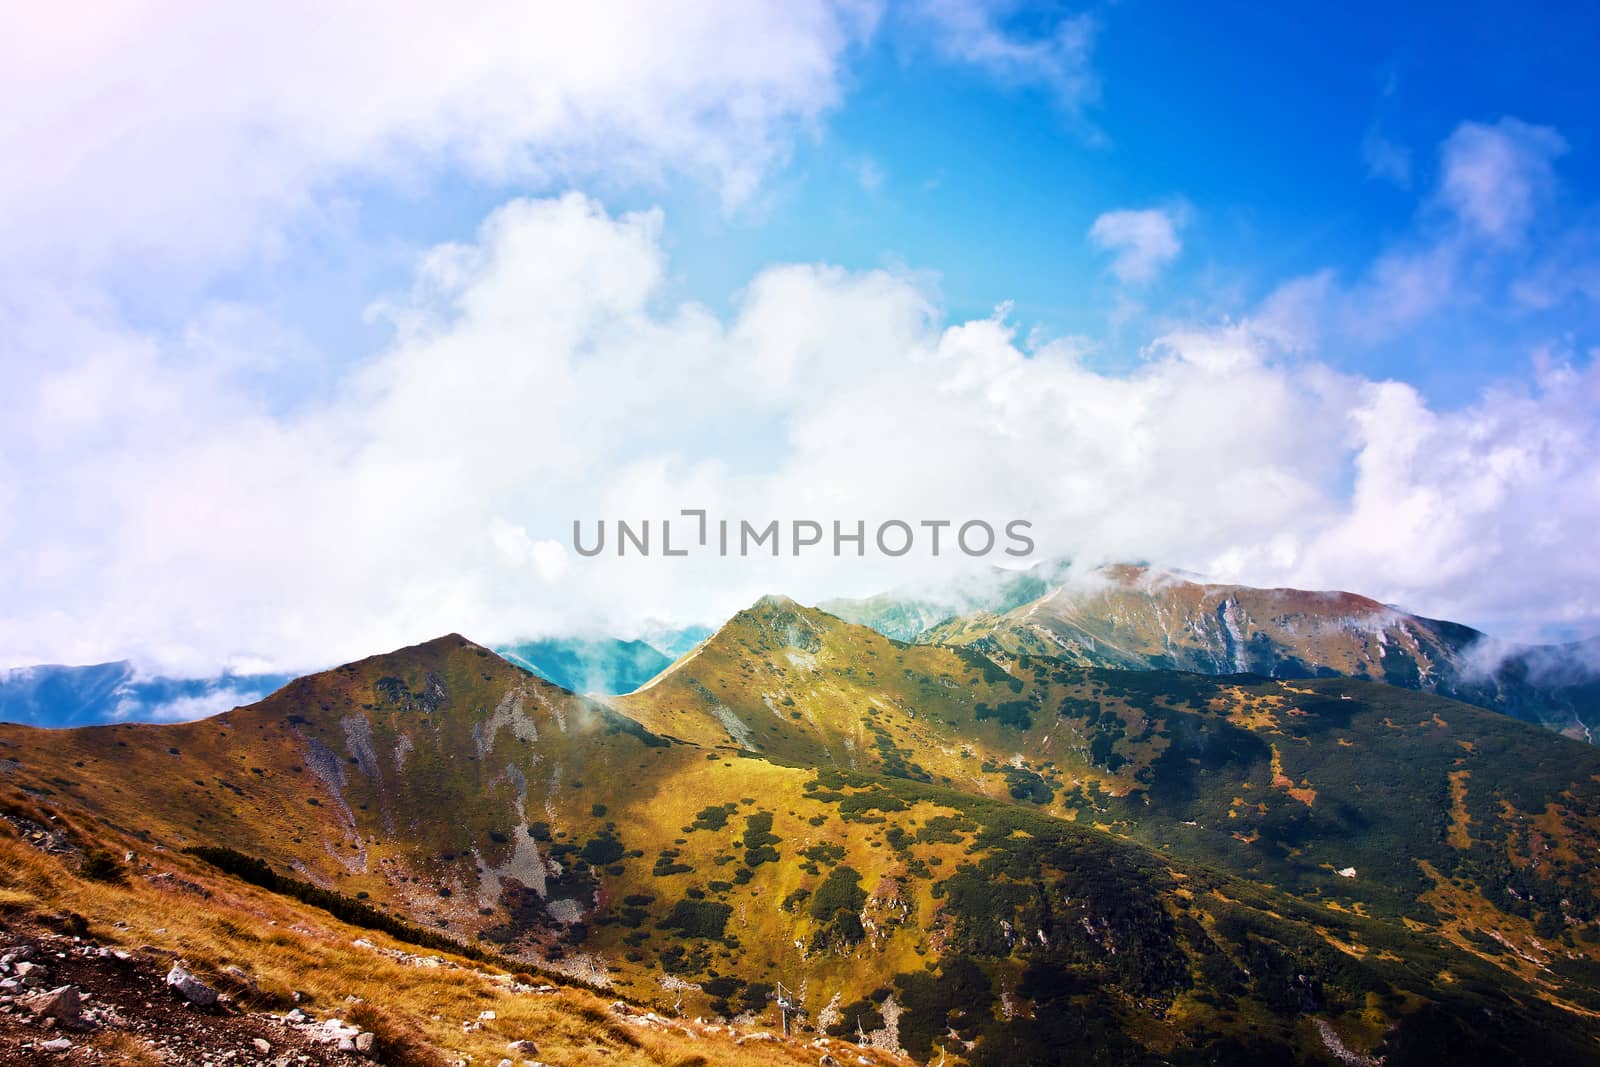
(319, 328)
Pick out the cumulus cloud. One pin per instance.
(537, 375)
(1142, 242)
(196, 133)
(1477, 512)
(173, 493)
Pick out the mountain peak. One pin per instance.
(776, 602)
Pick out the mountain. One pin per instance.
(926, 851)
(1312, 776)
(1135, 618)
(906, 613)
(116, 692)
(55, 696)
(603, 666)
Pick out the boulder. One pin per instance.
(523, 1047)
(60, 1044)
(60, 1004)
(21, 952)
(191, 988)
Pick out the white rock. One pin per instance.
(191, 988)
(749, 1039)
(1346, 872)
(335, 1032)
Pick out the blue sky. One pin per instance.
(1260, 122)
(322, 326)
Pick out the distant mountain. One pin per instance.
(56, 696)
(1135, 618)
(906, 613)
(674, 640)
(601, 665)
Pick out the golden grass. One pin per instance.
(125, 1050)
(287, 947)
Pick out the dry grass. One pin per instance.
(125, 1049)
(400, 1042)
(419, 1013)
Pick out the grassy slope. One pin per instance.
(695, 861)
(211, 922)
(1323, 774)
(1285, 783)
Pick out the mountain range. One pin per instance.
(54, 695)
(911, 852)
(1131, 617)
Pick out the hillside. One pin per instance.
(933, 854)
(1289, 783)
(292, 980)
(1135, 618)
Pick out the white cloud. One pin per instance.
(1494, 177)
(1143, 242)
(1476, 513)
(189, 133)
(1470, 241)
(188, 708)
(537, 375)
(1060, 61)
